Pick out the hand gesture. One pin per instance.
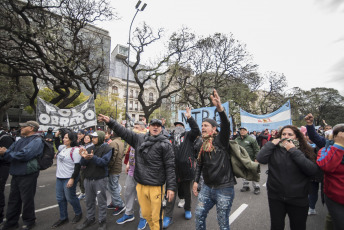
(102, 117)
(309, 119)
(288, 145)
(276, 141)
(188, 112)
(216, 100)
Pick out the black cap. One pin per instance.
(211, 121)
(179, 123)
(155, 121)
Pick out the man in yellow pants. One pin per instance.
(154, 166)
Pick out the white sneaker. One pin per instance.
(164, 203)
(181, 203)
(311, 212)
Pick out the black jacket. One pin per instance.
(154, 158)
(184, 152)
(289, 172)
(216, 166)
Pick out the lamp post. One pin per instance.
(127, 100)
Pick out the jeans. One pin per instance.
(336, 211)
(115, 190)
(207, 198)
(313, 194)
(64, 195)
(22, 200)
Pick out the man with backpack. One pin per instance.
(23, 155)
(6, 140)
(182, 142)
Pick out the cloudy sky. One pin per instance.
(302, 39)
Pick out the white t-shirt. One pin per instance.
(65, 164)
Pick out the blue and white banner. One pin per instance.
(274, 120)
(202, 113)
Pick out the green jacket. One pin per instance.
(250, 144)
(242, 165)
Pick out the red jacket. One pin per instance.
(331, 161)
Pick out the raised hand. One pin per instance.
(102, 117)
(216, 100)
(309, 119)
(188, 112)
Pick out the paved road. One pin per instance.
(249, 211)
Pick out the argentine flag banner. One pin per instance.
(274, 120)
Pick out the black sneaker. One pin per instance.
(102, 225)
(87, 223)
(59, 223)
(256, 191)
(77, 218)
(245, 189)
(5, 227)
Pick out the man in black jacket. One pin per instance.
(154, 165)
(182, 143)
(214, 163)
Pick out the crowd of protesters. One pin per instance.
(162, 166)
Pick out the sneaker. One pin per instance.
(167, 222)
(256, 191)
(142, 224)
(78, 193)
(164, 203)
(86, 224)
(125, 218)
(111, 206)
(4, 227)
(28, 226)
(77, 218)
(188, 215)
(102, 225)
(59, 223)
(311, 212)
(245, 189)
(181, 203)
(81, 196)
(118, 210)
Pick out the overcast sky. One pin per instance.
(304, 39)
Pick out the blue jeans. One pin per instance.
(115, 190)
(207, 198)
(64, 194)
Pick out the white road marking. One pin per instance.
(237, 213)
(7, 184)
(50, 207)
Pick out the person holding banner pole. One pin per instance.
(214, 163)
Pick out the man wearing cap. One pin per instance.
(96, 158)
(154, 165)
(252, 148)
(214, 162)
(182, 142)
(24, 169)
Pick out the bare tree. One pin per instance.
(53, 41)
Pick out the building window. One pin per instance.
(136, 106)
(150, 97)
(131, 94)
(136, 94)
(131, 105)
(115, 89)
(133, 117)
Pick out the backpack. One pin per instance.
(47, 158)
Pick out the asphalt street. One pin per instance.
(249, 211)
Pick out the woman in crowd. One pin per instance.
(331, 161)
(291, 163)
(67, 175)
(87, 144)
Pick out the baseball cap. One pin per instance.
(155, 121)
(95, 134)
(30, 123)
(243, 128)
(179, 123)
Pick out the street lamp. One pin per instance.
(127, 100)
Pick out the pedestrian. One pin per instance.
(49, 136)
(130, 194)
(96, 160)
(115, 169)
(67, 175)
(6, 140)
(154, 166)
(252, 148)
(288, 192)
(214, 163)
(331, 161)
(182, 142)
(24, 170)
(87, 144)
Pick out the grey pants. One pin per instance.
(96, 189)
(246, 184)
(130, 195)
(336, 211)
